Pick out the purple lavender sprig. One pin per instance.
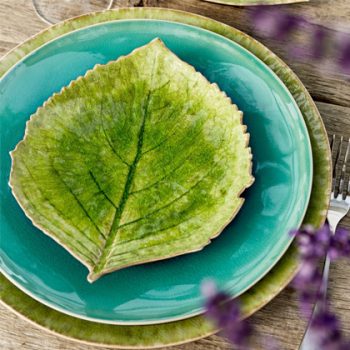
(313, 246)
(325, 45)
(326, 330)
(225, 312)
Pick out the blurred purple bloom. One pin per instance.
(222, 310)
(270, 343)
(226, 314)
(274, 22)
(345, 345)
(309, 276)
(323, 44)
(318, 44)
(209, 288)
(307, 300)
(339, 246)
(314, 245)
(326, 329)
(307, 283)
(344, 53)
(239, 334)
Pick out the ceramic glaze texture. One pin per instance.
(246, 249)
(141, 337)
(140, 160)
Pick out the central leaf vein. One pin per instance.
(108, 247)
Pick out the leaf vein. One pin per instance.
(100, 189)
(168, 204)
(106, 251)
(110, 143)
(58, 210)
(78, 201)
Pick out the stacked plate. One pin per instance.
(160, 304)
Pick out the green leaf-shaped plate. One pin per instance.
(140, 160)
(147, 336)
(247, 249)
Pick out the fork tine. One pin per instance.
(336, 161)
(332, 144)
(340, 166)
(345, 185)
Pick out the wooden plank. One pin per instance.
(336, 118)
(322, 86)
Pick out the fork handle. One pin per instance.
(325, 274)
(308, 341)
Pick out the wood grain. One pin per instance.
(280, 318)
(322, 86)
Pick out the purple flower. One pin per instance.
(226, 313)
(313, 244)
(344, 53)
(339, 246)
(326, 329)
(239, 334)
(222, 310)
(275, 23)
(208, 288)
(309, 276)
(318, 45)
(322, 44)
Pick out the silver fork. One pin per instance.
(339, 206)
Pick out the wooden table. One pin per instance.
(279, 318)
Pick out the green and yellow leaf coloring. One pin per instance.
(141, 159)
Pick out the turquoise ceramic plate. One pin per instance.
(166, 290)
